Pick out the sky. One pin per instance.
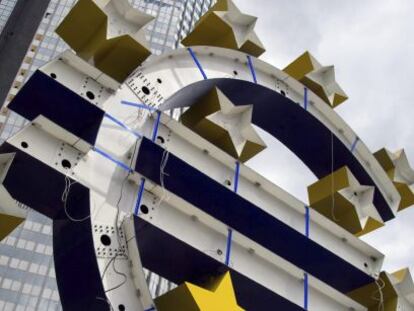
(371, 44)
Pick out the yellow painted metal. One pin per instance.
(401, 275)
(217, 296)
(225, 26)
(319, 79)
(370, 226)
(369, 295)
(326, 197)
(386, 160)
(119, 56)
(213, 31)
(220, 5)
(85, 28)
(301, 66)
(407, 195)
(8, 224)
(197, 119)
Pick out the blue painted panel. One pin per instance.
(77, 273)
(43, 95)
(288, 122)
(223, 204)
(178, 262)
(39, 186)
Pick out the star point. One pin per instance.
(124, 19)
(224, 25)
(219, 295)
(319, 79)
(395, 289)
(104, 31)
(398, 169)
(225, 125)
(340, 197)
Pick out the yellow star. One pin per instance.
(12, 213)
(400, 172)
(320, 79)
(103, 32)
(7, 224)
(340, 197)
(219, 296)
(225, 125)
(224, 25)
(392, 289)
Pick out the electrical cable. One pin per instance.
(65, 195)
(381, 285)
(117, 229)
(163, 164)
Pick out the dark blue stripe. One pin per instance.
(43, 95)
(306, 280)
(138, 105)
(179, 262)
(250, 63)
(242, 216)
(290, 124)
(77, 272)
(156, 126)
(139, 197)
(197, 63)
(40, 186)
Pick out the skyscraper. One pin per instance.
(27, 280)
(19, 20)
(6, 8)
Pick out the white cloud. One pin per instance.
(370, 43)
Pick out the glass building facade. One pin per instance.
(6, 8)
(191, 12)
(27, 277)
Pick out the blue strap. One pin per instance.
(122, 125)
(250, 63)
(138, 105)
(354, 144)
(156, 126)
(150, 309)
(197, 63)
(236, 177)
(139, 197)
(228, 247)
(109, 157)
(306, 291)
(305, 98)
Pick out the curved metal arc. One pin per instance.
(286, 121)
